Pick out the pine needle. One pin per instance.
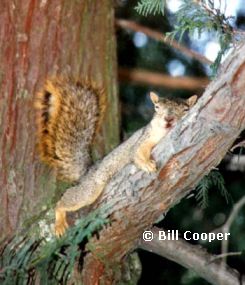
(146, 7)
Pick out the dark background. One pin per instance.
(137, 110)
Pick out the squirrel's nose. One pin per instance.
(169, 118)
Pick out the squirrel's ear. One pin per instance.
(154, 97)
(192, 100)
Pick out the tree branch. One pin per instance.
(153, 78)
(192, 257)
(196, 145)
(158, 36)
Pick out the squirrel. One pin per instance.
(69, 115)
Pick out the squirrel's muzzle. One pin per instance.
(170, 120)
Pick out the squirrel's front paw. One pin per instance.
(150, 166)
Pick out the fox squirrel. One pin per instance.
(69, 115)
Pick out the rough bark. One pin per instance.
(75, 37)
(184, 156)
(37, 39)
(192, 257)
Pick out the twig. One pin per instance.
(159, 36)
(153, 78)
(225, 255)
(240, 144)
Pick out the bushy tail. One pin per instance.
(68, 115)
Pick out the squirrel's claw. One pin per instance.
(150, 166)
(60, 228)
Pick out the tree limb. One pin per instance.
(192, 257)
(153, 78)
(133, 199)
(196, 145)
(158, 36)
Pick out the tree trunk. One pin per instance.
(38, 39)
(41, 38)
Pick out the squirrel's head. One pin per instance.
(171, 110)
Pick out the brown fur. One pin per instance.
(167, 113)
(69, 114)
(138, 150)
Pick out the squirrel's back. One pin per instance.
(69, 114)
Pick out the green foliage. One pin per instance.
(202, 16)
(214, 179)
(202, 192)
(146, 7)
(23, 260)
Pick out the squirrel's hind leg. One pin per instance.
(60, 221)
(74, 199)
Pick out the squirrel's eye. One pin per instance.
(156, 107)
